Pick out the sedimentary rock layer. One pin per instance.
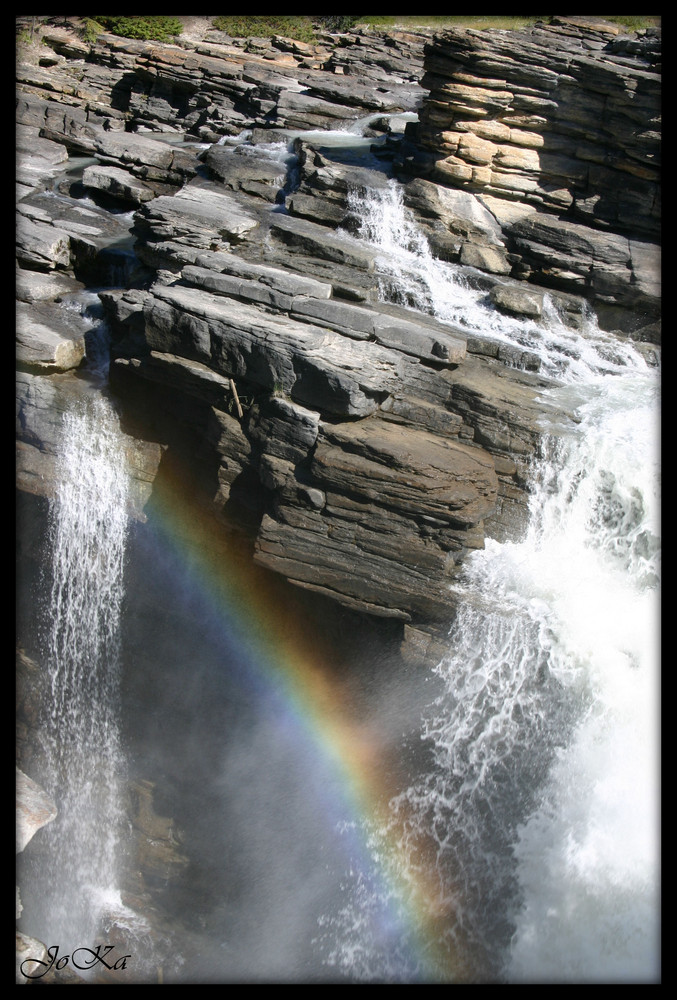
(556, 130)
(363, 446)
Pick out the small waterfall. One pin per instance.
(410, 275)
(84, 765)
(539, 814)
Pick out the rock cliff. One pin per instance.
(361, 445)
(556, 131)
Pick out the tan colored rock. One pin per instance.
(481, 175)
(509, 181)
(476, 100)
(517, 159)
(476, 150)
(452, 170)
(521, 137)
(494, 131)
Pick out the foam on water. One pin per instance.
(540, 811)
(84, 767)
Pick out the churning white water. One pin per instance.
(410, 275)
(88, 529)
(542, 801)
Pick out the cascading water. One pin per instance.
(526, 847)
(410, 275)
(539, 814)
(84, 766)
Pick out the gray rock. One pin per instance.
(441, 346)
(282, 428)
(486, 258)
(49, 339)
(249, 169)
(517, 301)
(201, 215)
(287, 282)
(117, 183)
(304, 111)
(304, 236)
(37, 159)
(380, 518)
(411, 471)
(41, 246)
(34, 809)
(315, 367)
(35, 286)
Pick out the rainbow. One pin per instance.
(284, 663)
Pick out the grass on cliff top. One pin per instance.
(457, 21)
(512, 23)
(303, 28)
(299, 27)
(155, 27)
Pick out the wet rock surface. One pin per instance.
(556, 130)
(357, 448)
(250, 289)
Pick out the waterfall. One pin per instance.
(539, 814)
(522, 845)
(410, 275)
(84, 768)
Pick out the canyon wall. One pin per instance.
(363, 447)
(557, 131)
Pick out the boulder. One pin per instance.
(41, 246)
(379, 519)
(314, 366)
(117, 183)
(49, 339)
(517, 301)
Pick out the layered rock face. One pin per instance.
(363, 447)
(556, 131)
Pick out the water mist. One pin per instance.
(539, 814)
(81, 746)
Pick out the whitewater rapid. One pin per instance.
(543, 801)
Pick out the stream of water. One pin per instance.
(84, 761)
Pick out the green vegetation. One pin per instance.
(457, 21)
(636, 22)
(303, 28)
(90, 30)
(29, 42)
(513, 22)
(337, 23)
(156, 27)
(299, 28)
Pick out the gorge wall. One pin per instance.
(557, 130)
(362, 447)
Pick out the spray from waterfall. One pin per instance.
(84, 766)
(539, 812)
